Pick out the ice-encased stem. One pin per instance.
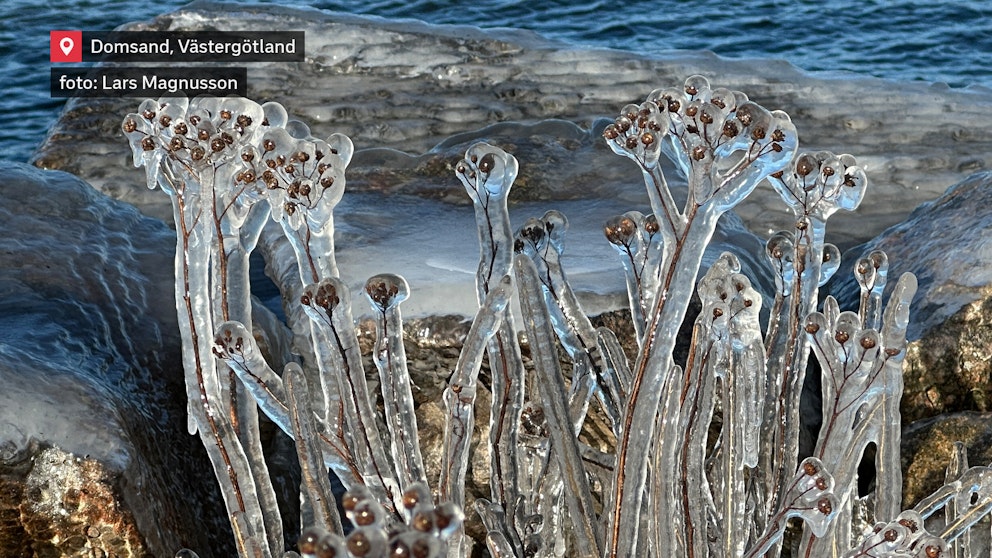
(313, 471)
(236, 346)
(459, 399)
(487, 173)
(655, 358)
(786, 365)
(386, 292)
(553, 396)
(231, 466)
(573, 328)
(329, 306)
(236, 238)
(862, 372)
(888, 464)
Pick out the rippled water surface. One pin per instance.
(937, 41)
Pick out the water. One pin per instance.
(937, 41)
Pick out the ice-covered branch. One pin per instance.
(487, 173)
(725, 145)
(385, 292)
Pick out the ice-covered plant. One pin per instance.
(704, 459)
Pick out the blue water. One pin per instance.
(936, 41)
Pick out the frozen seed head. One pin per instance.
(387, 291)
(309, 539)
(620, 230)
(909, 524)
(806, 164)
(651, 224)
(323, 295)
(824, 506)
(423, 521)
(364, 515)
(448, 517)
(694, 85)
(330, 546)
(350, 501)
(359, 544)
(415, 495)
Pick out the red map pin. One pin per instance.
(66, 46)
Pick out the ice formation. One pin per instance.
(705, 460)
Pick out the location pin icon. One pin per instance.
(66, 45)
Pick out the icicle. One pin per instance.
(888, 465)
(385, 293)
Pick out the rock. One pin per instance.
(92, 386)
(947, 243)
(928, 444)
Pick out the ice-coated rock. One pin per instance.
(89, 349)
(410, 86)
(947, 243)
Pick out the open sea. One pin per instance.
(946, 41)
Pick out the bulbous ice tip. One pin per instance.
(780, 245)
(487, 170)
(448, 517)
(230, 340)
(309, 539)
(386, 291)
(871, 270)
(531, 236)
(416, 495)
(620, 230)
(366, 542)
(695, 85)
(327, 294)
(830, 264)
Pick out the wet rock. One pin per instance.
(947, 243)
(91, 366)
(71, 507)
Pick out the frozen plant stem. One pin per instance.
(704, 461)
(725, 146)
(487, 174)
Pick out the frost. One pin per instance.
(698, 457)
